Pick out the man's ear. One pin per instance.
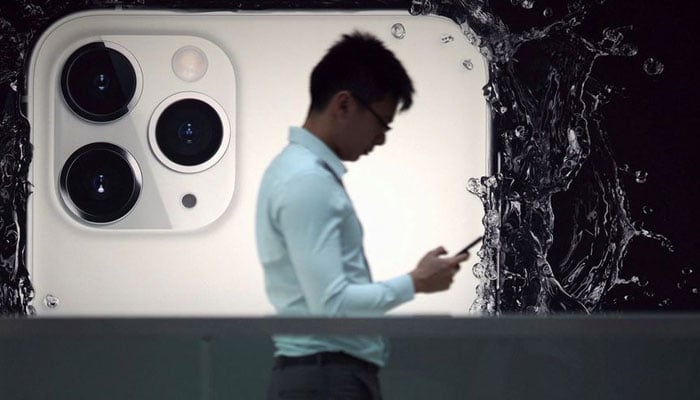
(341, 104)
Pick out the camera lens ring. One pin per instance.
(173, 156)
(88, 193)
(101, 81)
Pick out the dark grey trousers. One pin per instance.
(323, 382)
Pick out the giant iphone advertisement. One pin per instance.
(136, 135)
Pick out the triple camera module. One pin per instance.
(101, 181)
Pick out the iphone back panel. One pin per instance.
(125, 220)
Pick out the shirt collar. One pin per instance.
(310, 141)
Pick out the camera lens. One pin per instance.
(100, 182)
(189, 132)
(98, 82)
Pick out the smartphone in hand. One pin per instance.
(466, 249)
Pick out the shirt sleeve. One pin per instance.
(310, 217)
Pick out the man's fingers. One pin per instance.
(438, 251)
(459, 258)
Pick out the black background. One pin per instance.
(652, 126)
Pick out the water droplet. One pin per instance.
(468, 64)
(51, 301)
(665, 303)
(490, 181)
(33, 10)
(474, 186)
(499, 46)
(520, 132)
(398, 31)
(572, 20)
(575, 5)
(471, 37)
(488, 93)
(686, 270)
(647, 210)
(628, 50)
(653, 67)
(13, 86)
(415, 8)
(695, 290)
(528, 4)
(493, 241)
(681, 284)
(478, 270)
(547, 12)
(612, 34)
(592, 215)
(492, 218)
(640, 176)
(447, 38)
(490, 273)
(503, 109)
(628, 297)
(668, 246)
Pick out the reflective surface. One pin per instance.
(524, 357)
(100, 182)
(99, 82)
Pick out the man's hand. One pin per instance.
(433, 273)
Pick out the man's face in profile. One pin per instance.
(367, 127)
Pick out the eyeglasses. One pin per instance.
(371, 110)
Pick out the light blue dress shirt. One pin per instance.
(309, 241)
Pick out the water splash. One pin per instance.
(653, 67)
(551, 146)
(398, 31)
(15, 286)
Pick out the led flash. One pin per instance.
(190, 63)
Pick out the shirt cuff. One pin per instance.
(403, 287)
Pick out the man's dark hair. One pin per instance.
(361, 64)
